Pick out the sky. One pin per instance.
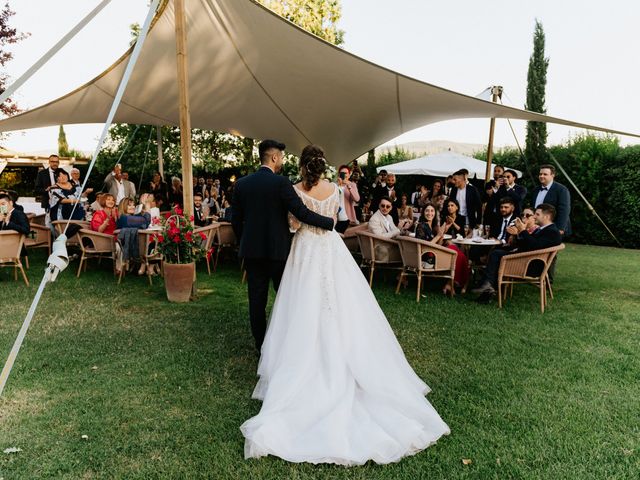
(463, 45)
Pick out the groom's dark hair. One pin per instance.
(267, 145)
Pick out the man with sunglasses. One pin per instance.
(381, 223)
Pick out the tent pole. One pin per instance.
(496, 93)
(185, 117)
(160, 157)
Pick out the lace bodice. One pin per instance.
(327, 208)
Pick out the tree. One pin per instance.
(8, 36)
(535, 149)
(319, 17)
(63, 146)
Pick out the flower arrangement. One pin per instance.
(177, 242)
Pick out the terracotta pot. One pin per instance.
(178, 280)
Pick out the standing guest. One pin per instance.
(498, 172)
(556, 194)
(200, 212)
(547, 235)
(437, 189)
(200, 187)
(448, 185)
(175, 192)
(384, 186)
(366, 209)
(214, 203)
(11, 218)
(114, 185)
(468, 198)
(158, 187)
(499, 230)
(63, 199)
(490, 205)
(416, 195)
(510, 188)
(45, 179)
(350, 196)
(129, 186)
(454, 219)
(405, 213)
(104, 220)
(75, 179)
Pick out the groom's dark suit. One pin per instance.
(260, 205)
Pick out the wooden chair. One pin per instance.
(10, 249)
(41, 239)
(96, 245)
(513, 269)
(39, 219)
(378, 251)
(413, 250)
(225, 238)
(211, 231)
(351, 239)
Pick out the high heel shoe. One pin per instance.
(143, 268)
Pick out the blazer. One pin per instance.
(260, 205)
(111, 186)
(546, 237)
(474, 203)
(17, 221)
(378, 225)
(496, 226)
(43, 180)
(558, 196)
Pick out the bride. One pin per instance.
(334, 382)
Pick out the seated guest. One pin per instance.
(423, 198)
(11, 218)
(428, 226)
(545, 236)
(381, 223)
(437, 189)
(228, 211)
(454, 219)
(405, 213)
(104, 220)
(199, 211)
(97, 204)
(14, 198)
(507, 217)
(127, 217)
(75, 179)
(529, 219)
(214, 204)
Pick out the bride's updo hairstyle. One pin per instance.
(315, 165)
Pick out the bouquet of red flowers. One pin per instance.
(177, 242)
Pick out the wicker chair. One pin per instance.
(412, 251)
(42, 239)
(513, 269)
(378, 251)
(95, 245)
(10, 249)
(225, 238)
(350, 237)
(60, 225)
(145, 237)
(211, 231)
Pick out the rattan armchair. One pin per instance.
(211, 231)
(95, 245)
(350, 237)
(413, 250)
(74, 240)
(41, 239)
(10, 249)
(224, 238)
(378, 252)
(513, 269)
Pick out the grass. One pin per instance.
(161, 389)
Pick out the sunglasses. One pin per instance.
(385, 206)
(527, 215)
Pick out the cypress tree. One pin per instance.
(63, 146)
(535, 149)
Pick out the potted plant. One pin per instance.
(180, 248)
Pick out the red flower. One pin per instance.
(178, 210)
(188, 237)
(202, 236)
(166, 214)
(160, 238)
(176, 239)
(209, 253)
(173, 231)
(191, 218)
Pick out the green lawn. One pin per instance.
(161, 389)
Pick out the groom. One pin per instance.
(260, 205)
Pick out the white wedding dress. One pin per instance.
(335, 384)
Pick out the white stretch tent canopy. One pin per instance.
(440, 165)
(255, 74)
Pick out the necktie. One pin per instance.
(504, 229)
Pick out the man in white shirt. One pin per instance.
(114, 184)
(382, 224)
